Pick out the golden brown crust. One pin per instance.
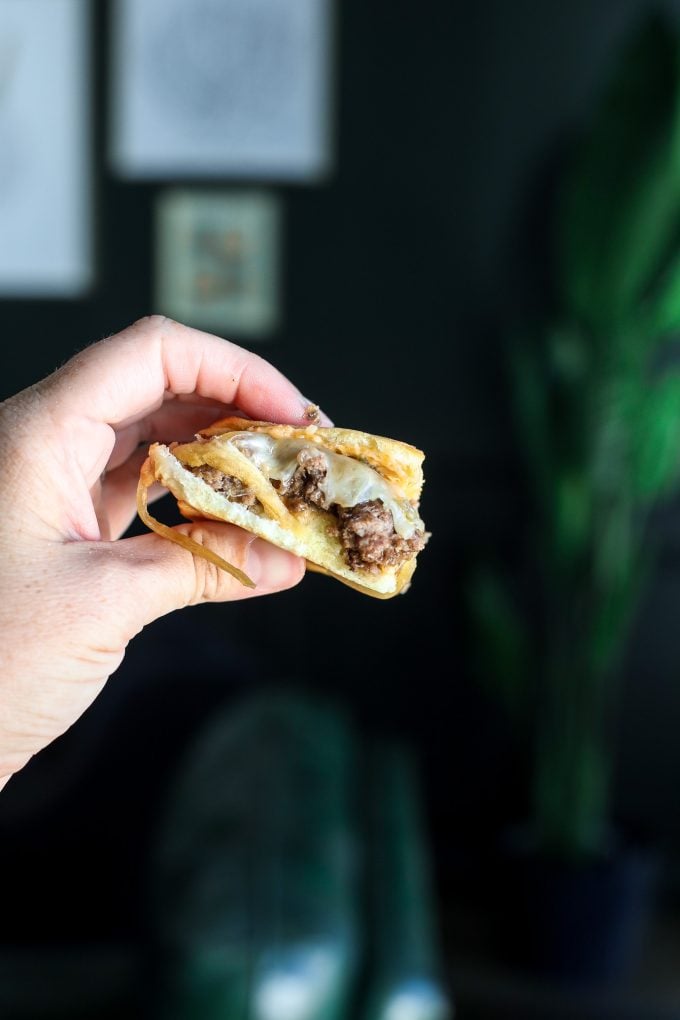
(402, 580)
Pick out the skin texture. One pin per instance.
(72, 593)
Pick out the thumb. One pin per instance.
(162, 576)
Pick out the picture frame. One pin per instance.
(222, 89)
(218, 260)
(45, 162)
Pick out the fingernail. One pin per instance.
(272, 568)
(313, 414)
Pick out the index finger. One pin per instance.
(118, 379)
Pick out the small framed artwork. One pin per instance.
(45, 182)
(218, 260)
(221, 88)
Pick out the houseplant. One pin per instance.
(595, 390)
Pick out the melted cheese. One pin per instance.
(348, 481)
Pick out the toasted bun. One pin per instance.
(310, 533)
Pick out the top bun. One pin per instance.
(400, 463)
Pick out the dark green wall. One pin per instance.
(403, 274)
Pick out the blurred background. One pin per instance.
(457, 226)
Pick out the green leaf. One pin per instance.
(570, 357)
(572, 517)
(614, 545)
(613, 616)
(664, 311)
(620, 202)
(569, 380)
(657, 440)
(615, 412)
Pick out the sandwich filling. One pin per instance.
(375, 527)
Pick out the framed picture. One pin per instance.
(45, 202)
(221, 88)
(217, 260)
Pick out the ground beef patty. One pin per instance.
(369, 539)
(227, 485)
(366, 530)
(305, 486)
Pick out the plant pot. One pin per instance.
(583, 921)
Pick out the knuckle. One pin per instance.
(207, 582)
(210, 582)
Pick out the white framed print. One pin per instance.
(218, 260)
(221, 89)
(45, 166)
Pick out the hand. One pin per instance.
(71, 596)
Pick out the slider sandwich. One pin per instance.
(345, 501)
